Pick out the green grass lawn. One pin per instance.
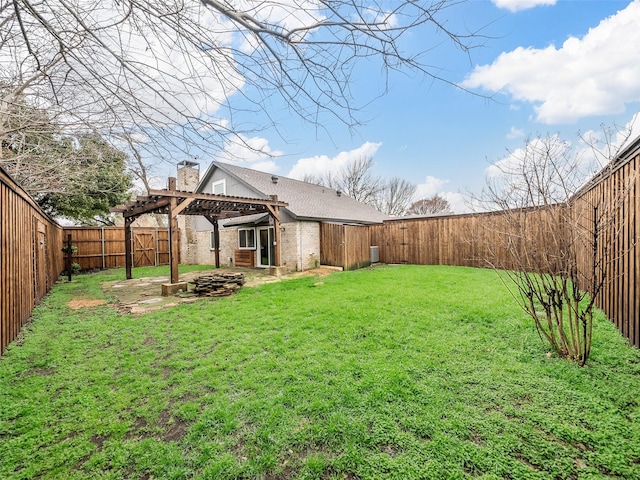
(395, 372)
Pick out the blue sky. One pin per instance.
(545, 66)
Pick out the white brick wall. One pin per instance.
(300, 246)
(204, 255)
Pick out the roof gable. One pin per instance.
(306, 200)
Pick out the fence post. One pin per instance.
(68, 257)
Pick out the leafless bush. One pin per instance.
(553, 238)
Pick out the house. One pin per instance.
(249, 240)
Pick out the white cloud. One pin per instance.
(383, 18)
(155, 183)
(269, 166)
(322, 164)
(514, 162)
(555, 168)
(158, 76)
(164, 80)
(282, 15)
(598, 147)
(593, 75)
(251, 152)
(459, 202)
(515, 133)
(429, 187)
(516, 5)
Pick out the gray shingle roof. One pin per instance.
(306, 200)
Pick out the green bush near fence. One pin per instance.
(393, 372)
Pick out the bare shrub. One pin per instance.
(553, 238)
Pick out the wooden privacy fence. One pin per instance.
(477, 240)
(619, 189)
(471, 240)
(103, 247)
(30, 257)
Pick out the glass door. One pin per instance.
(266, 248)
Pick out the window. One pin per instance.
(212, 240)
(219, 187)
(246, 238)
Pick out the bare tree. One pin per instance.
(394, 196)
(551, 241)
(357, 181)
(430, 206)
(178, 72)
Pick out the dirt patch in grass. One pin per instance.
(79, 303)
(321, 271)
(174, 428)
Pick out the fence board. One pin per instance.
(357, 247)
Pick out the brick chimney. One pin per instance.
(188, 175)
(188, 179)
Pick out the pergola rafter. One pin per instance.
(174, 202)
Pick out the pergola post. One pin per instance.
(216, 238)
(274, 211)
(128, 262)
(174, 237)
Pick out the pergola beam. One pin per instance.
(184, 204)
(212, 198)
(213, 207)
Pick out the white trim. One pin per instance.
(247, 247)
(222, 182)
(270, 246)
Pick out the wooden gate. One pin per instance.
(144, 249)
(41, 282)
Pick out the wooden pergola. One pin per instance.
(173, 202)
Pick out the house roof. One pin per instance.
(249, 220)
(306, 200)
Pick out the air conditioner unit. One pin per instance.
(374, 254)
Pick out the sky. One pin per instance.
(541, 67)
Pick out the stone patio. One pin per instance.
(142, 295)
